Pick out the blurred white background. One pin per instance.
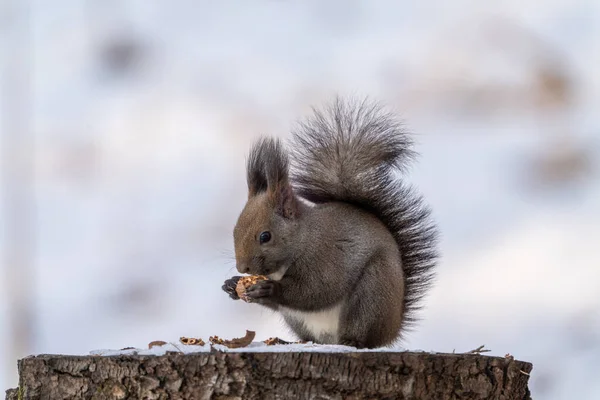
(124, 126)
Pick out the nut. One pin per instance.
(234, 343)
(245, 282)
(192, 341)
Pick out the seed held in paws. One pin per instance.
(245, 282)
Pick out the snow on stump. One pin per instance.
(252, 373)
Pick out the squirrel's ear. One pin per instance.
(284, 200)
(280, 190)
(267, 171)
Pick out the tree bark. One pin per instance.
(281, 375)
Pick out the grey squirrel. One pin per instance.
(349, 249)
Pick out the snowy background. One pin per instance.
(124, 126)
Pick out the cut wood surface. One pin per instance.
(273, 375)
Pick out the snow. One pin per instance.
(254, 347)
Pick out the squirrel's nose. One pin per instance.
(243, 268)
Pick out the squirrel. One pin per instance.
(349, 249)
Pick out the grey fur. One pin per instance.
(364, 252)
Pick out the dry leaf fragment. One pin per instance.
(156, 343)
(128, 348)
(234, 343)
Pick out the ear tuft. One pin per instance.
(268, 171)
(278, 184)
(255, 167)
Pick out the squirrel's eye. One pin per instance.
(264, 237)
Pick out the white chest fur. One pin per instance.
(323, 325)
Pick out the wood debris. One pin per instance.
(479, 350)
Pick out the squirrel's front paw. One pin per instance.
(263, 290)
(229, 287)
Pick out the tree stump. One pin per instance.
(273, 375)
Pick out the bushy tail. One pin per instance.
(348, 153)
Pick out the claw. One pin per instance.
(262, 289)
(229, 287)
